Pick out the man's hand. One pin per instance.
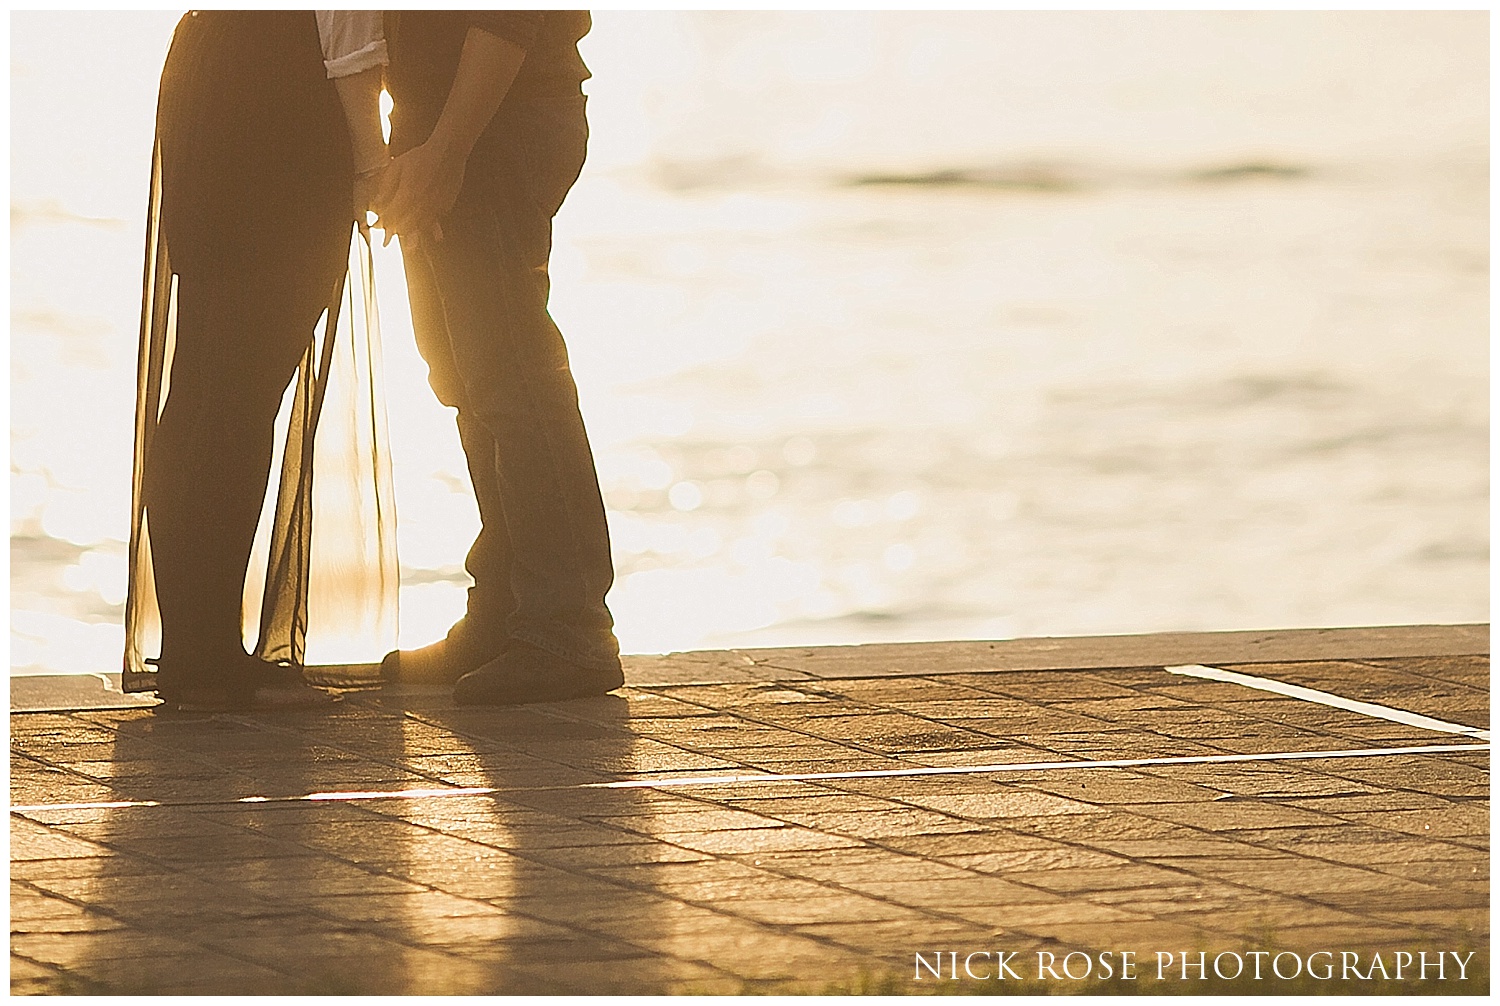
(418, 189)
(421, 185)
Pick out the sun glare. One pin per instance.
(877, 339)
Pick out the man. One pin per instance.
(488, 134)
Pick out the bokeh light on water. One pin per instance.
(879, 338)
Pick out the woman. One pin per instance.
(247, 248)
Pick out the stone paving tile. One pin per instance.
(1156, 934)
(1231, 815)
(756, 840)
(1036, 919)
(52, 915)
(827, 907)
(685, 935)
(1448, 779)
(957, 891)
(722, 895)
(856, 864)
(1119, 743)
(1261, 780)
(586, 857)
(894, 939)
(29, 841)
(954, 846)
(1389, 854)
(1014, 803)
(1445, 874)
(1184, 845)
(1124, 788)
(908, 789)
(883, 824)
(1052, 856)
(1454, 821)
(200, 972)
(1083, 880)
(801, 800)
(1471, 672)
(1097, 830)
(30, 978)
(698, 819)
(81, 951)
(548, 885)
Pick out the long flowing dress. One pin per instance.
(246, 292)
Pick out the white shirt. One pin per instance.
(353, 40)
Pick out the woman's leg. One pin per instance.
(256, 215)
(239, 339)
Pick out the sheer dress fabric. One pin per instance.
(322, 580)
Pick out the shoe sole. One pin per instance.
(264, 700)
(523, 692)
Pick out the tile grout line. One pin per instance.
(1327, 699)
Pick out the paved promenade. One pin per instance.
(781, 820)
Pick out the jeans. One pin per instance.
(541, 563)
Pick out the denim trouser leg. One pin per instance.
(500, 360)
(491, 602)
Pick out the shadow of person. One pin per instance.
(219, 876)
(393, 844)
(558, 859)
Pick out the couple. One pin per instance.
(268, 147)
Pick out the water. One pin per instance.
(895, 326)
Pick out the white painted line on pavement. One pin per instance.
(739, 780)
(898, 773)
(1328, 699)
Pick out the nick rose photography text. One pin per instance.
(1166, 965)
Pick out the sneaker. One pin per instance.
(442, 662)
(526, 673)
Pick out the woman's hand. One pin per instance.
(417, 190)
(366, 185)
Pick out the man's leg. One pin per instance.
(490, 269)
(480, 635)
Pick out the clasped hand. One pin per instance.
(411, 193)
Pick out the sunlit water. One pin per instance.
(880, 338)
